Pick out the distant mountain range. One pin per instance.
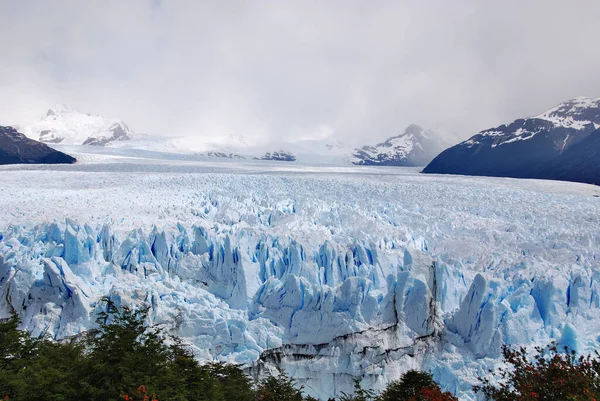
(281, 156)
(16, 148)
(561, 143)
(65, 126)
(414, 147)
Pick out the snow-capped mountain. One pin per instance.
(16, 148)
(69, 129)
(521, 149)
(280, 156)
(65, 126)
(224, 155)
(312, 152)
(322, 152)
(414, 147)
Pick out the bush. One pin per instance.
(122, 359)
(360, 394)
(278, 388)
(415, 386)
(122, 353)
(433, 393)
(141, 394)
(547, 375)
(16, 348)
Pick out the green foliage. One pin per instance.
(123, 354)
(123, 359)
(415, 386)
(547, 375)
(278, 388)
(232, 383)
(54, 372)
(408, 386)
(15, 349)
(359, 394)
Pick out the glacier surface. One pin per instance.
(330, 273)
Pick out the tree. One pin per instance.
(55, 373)
(408, 386)
(231, 381)
(547, 375)
(38, 369)
(124, 354)
(360, 394)
(278, 388)
(433, 393)
(16, 348)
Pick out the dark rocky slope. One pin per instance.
(535, 147)
(16, 148)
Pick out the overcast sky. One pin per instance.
(287, 69)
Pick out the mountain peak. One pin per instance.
(522, 148)
(576, 103)
(57, 109)
(413, 147)
(69, 126)
(575, 113)
(414, 129)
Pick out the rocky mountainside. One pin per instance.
(579, 163)
(527, 147)
(414, 147)
(72, 127)
(16, 148)
(281, 156)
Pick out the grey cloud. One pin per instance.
(272, 69)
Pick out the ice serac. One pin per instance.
(561, 143)
(326, 311)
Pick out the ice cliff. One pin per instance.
(324, 311)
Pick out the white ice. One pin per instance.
(329, 272)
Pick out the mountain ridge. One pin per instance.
(521, 148)
(67, 126)
(415, 146)
(16, 148)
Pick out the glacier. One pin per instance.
(331, 273)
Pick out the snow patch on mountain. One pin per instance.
(414, 147)
(576, 114)
(65, 126)
(527, 147)
(280, 156)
